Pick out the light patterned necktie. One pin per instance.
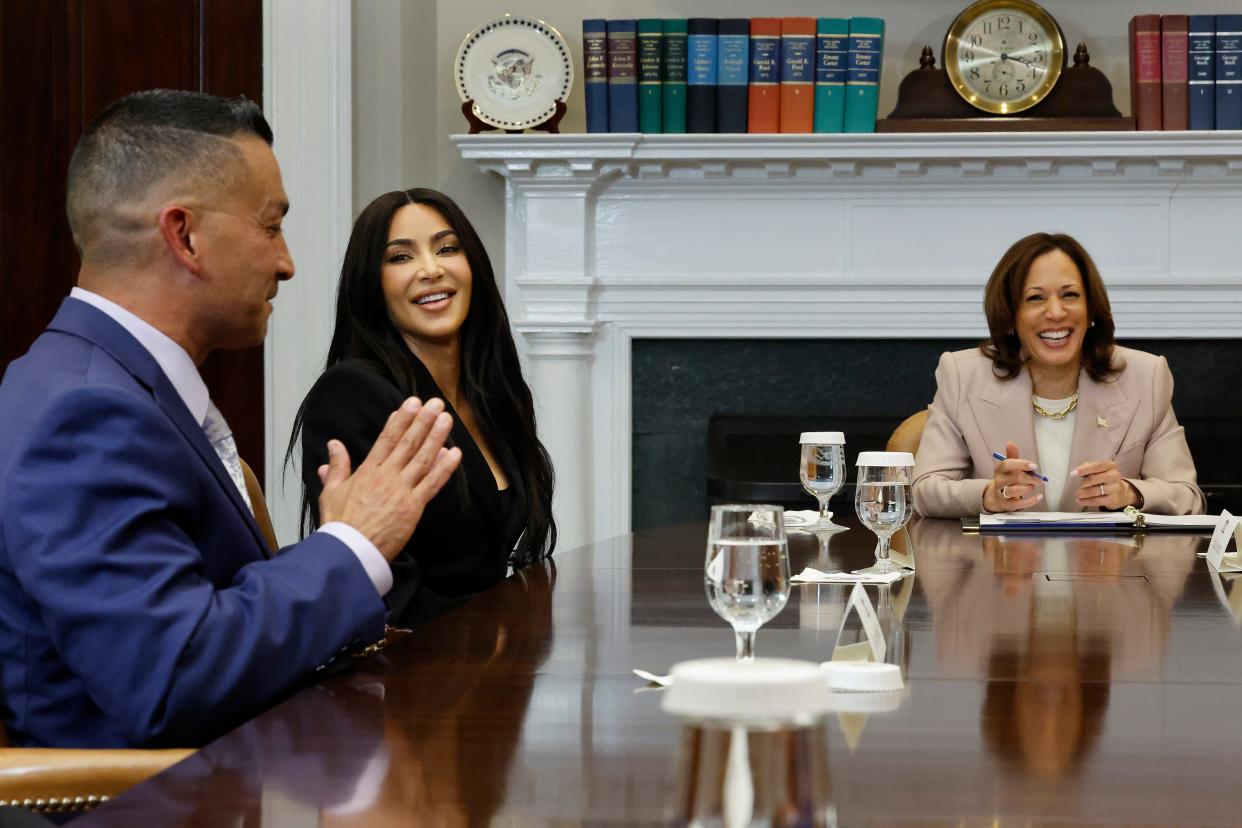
(221, 439)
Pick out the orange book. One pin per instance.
(797, 74)
(764, 91)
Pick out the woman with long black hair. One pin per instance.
(419, 313)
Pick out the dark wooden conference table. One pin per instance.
(1050, 681)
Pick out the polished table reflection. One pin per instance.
(1050, 680)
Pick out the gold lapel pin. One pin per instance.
(1100, 422)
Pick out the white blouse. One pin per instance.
(1053, 440)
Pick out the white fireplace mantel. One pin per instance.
(612, 237)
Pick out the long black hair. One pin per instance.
(491, 376)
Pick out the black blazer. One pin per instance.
(462, 543)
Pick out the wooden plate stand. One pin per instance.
(551, 125)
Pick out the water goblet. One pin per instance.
(882, 499)
(822, 471)
(746, 574)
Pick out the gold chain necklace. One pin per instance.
(1056, 415)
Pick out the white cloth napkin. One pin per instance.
(810, 575)
(793, 519)
(799, 519)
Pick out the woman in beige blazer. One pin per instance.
(1052, 390)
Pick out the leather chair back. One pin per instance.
(908, 435)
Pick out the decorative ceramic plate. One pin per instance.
(515, 69)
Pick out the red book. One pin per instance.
(1175, 71)
(764, 91)
(1145, 71)
(797, 74)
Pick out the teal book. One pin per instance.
(832, 38)
(862, 74)
(650, 82)
(673, 68)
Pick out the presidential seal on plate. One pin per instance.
(514, 70)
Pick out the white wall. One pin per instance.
(406, 105)
(395, 57)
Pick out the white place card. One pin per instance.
(875, 646)
(1227, 530)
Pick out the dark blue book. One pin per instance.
(1202, 63)
(595, 60)
(733, 75)
(623, 76)
(1229, 71)
(702, 68)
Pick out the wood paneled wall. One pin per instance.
(61, 63)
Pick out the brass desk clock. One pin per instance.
(1004, 56)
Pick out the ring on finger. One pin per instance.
(1005, 491)
(1101, 490)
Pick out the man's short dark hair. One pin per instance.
(147, 140)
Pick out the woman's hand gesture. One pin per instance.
(1012, 488)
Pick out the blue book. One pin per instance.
(862, 76)
(1228, 71)
(622, 75)
(832, 37)
(733, 74)
(595, 60)
(702, 69)
(1202, 62)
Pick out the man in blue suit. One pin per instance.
(138, 603)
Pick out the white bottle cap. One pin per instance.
(765, 689)
(862, 676)
(885, 458)
(883, 701)
(823, 438)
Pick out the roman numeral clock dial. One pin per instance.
(1004, 56)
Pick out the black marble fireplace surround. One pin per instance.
(757, 394)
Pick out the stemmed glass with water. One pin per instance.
(746, 573)
(882, 499)
(822, 471)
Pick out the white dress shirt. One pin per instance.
(186, 381)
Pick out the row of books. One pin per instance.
(1186, 71)
(766, 74)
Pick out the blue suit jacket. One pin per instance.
(136, 603)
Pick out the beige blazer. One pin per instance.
(1128, 420)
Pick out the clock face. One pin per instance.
(1004, 56)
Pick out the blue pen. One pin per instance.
(997, 455)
